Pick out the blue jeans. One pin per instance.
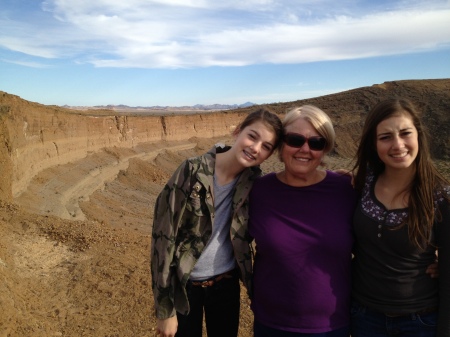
(369, 323)
(220, 304)
(261, 330)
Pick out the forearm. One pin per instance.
(162, 279)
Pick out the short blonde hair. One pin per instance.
(320, 121)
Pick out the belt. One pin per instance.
(421, 312)
(212, 281)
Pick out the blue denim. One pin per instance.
(261, 330)
(369, 323)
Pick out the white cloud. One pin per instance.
(27, 64)
(201, 33)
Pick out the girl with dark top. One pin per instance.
(402, 218)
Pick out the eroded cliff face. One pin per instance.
(35, 137)
(5, 162)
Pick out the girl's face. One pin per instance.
(301, 161)
(254, 144)
(397, 141)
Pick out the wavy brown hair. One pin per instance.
(427, 180)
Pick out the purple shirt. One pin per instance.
(302, 277)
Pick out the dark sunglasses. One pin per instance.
(316, 143)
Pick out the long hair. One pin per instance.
(427, 181)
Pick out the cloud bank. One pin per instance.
(204, 33)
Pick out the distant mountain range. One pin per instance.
(202, 107)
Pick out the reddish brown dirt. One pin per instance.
(74, 248)
(91, 277)
(87, 277)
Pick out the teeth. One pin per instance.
(249, 155)
(401, 155)
(302, 159)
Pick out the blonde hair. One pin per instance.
(320, 121)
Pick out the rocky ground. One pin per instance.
(89, 275)
(74, 247)
(74, 258)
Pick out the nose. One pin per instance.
(305, 147)
(398, 142)
(256, 147)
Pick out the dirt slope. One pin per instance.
(74, 246)
(348, 110)
(89, 277)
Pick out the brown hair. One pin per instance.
(427, 180)
(270, 119)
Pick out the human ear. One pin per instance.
(236, 132)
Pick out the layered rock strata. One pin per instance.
(35, 137)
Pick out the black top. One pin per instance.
(389, 271)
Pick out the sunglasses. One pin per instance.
(316, 143)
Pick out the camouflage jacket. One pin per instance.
(182, 225)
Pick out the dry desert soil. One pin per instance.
(88, 277)
(75, 242)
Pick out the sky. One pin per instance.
(187, 52)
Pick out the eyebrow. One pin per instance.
(254, 131)
(389, 132)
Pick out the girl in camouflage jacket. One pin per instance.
(200, 242)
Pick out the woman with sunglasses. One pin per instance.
(301, 221)
(402, 217)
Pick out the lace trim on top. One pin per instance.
(376, 210)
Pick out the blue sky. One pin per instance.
(186, 52)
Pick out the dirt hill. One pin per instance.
(77, 193)
(348, 110)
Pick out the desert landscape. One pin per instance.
(77, 190)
